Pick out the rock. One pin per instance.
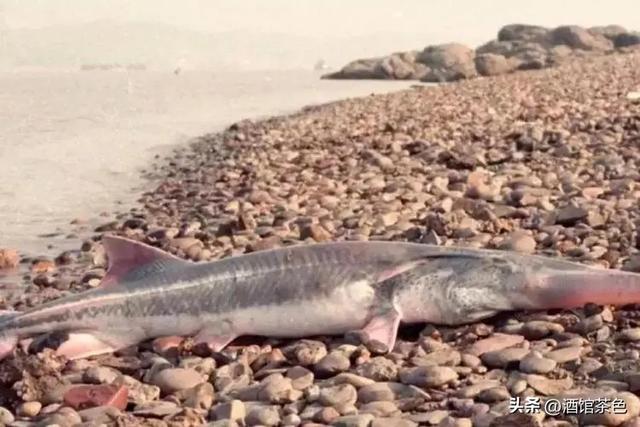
(138, 393)
(378, 369)
(277, 389)
(338, 396)
(502, 358)
(267, 416)
(534, 363)
(316, 232)
(494, 394)
(156, 409)
(29, 409)
(100, 375)
(63, 417)
(448, 62)
(455, 422)
(377, 392)
(323, 415)
(175, 379)
(198, 397)
(567, 354)
(234, 410)
(496, 342)
(88, 396)
(570, 215)
(265, 243)
(549, 387)
(307, 352)
(100, 415)
(6, 417)
(42, 266)
(9, 258)
(626, 40)
(360, 69)
(519, 241)
(621, 407)
(301, 378)
(428, 376)
(579, 38)
(379, 409)
(332, 364)
(291, 420)
(522, 32)
(473, 390)
(393, 422)
(363, 420)
(537, 329)
(517, 419)
(633, 97)
(608, 31)
(631, 334)
(491, 64)
(444, 357)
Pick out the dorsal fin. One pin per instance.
(126, 256)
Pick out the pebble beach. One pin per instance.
(541, 161)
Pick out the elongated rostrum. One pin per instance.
(367, 288)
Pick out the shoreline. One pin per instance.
(101, 179)
(539, 161)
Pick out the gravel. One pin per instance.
(541, 162)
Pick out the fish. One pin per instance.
(362, 288)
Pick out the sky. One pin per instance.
(465, 18)
(410, 22)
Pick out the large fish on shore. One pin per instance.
(306, 290)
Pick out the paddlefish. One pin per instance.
(368, 288)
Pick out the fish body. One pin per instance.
(306, 290)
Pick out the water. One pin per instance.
(73, 143)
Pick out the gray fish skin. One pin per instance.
(306, 290)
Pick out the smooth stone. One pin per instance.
(175, 379)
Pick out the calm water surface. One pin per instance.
(73, 143)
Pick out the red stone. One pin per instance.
(8, 259)
(43, 266)
(89, 396)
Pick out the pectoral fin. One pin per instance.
(80, 345)
(216, 336)
(380, 332)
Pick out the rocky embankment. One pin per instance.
(517, 47)
(540, 161)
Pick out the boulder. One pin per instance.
(531, 57)
(559, 54)
(448, 62)
(579, 38)
(368, 68)
(400, 66)
(609, 31)
(522, 32)
(626, 40)
(491, 64)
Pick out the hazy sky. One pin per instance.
(470, 21)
